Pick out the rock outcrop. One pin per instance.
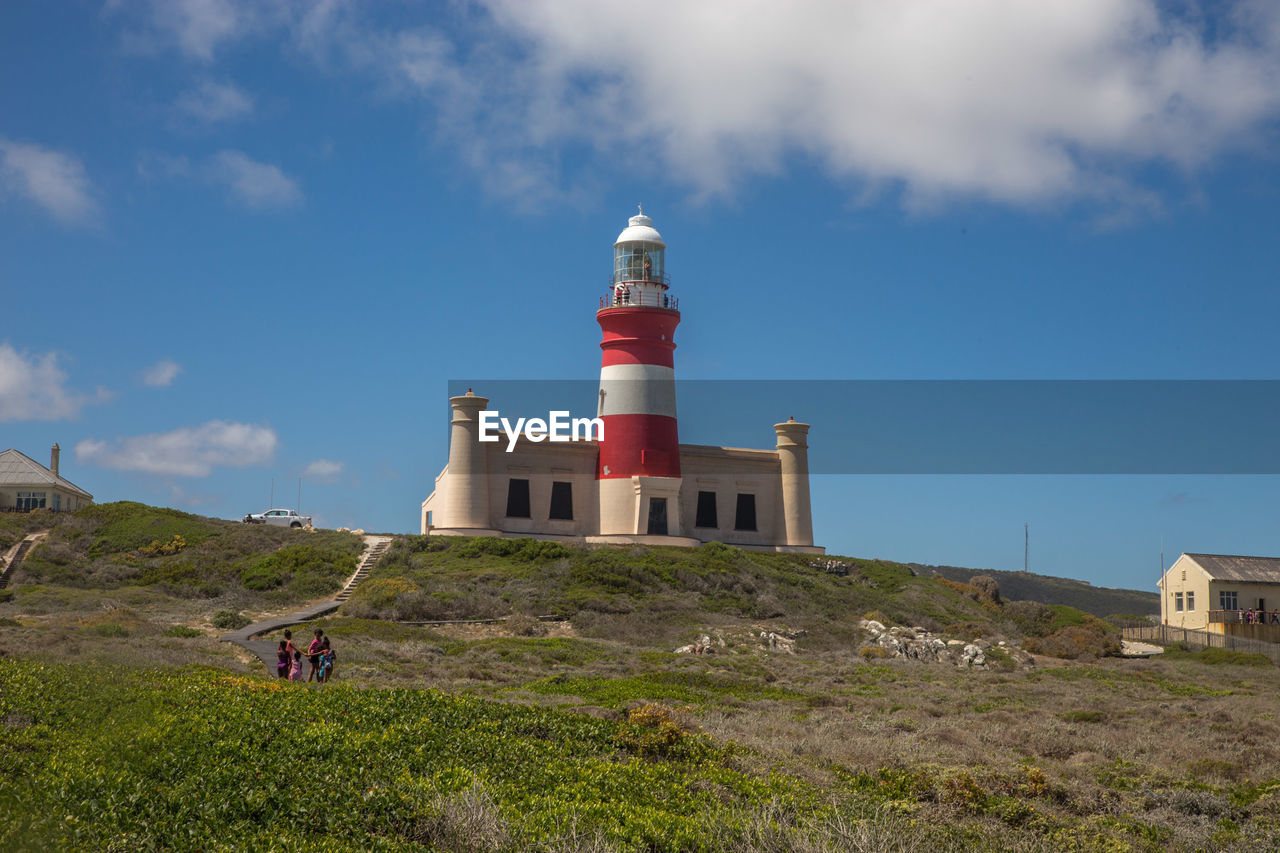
(919, 644)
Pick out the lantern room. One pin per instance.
(639, 267)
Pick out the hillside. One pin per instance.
(1026, 586)
(163, 565)
(797, 729)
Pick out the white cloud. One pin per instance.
(197, 28)
(1018, 102)
(162, 373)
(325, 470)
(34, 388)
(212, 102)
(55, 181)
(1021, 103)
(186, 451)
(258, 185)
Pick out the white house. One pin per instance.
(25, 485)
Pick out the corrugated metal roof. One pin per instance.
(18, 469)
(1230, 567)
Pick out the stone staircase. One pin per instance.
(16, 560)
(372, 555)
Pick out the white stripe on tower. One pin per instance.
(637, 389)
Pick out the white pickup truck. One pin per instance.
(281, 517)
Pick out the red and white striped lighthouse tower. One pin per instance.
(639, 465)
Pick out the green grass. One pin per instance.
(1218, 657)
(112, 758)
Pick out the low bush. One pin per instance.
(229, 620)
(1075, 642)
(183, 631)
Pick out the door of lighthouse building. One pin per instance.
(657, 516)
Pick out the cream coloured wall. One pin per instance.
(726, 471)
(1184, 576)
(730, 471)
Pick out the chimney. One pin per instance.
(53, 458)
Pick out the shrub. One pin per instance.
(654, 731)
(229, 620)
(968, 630)
(160, 548)
(1031, 618)
(6, 595)
(1081, 716)
(380, 595)
(986, 585)
(1074, 642)
(873, 652)
(183, 631)
(523, 625)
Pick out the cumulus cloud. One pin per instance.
(260, 186)
(212, 102)
(55, 181)
(162, 373)
(197, 28)
(323, 469)
(1021, 103)
(186, 451)
(34, 388)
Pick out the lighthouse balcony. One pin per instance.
(638, 295)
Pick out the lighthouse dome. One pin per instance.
(640, 230)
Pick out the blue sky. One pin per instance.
(242, 242)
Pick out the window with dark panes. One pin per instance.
(706, 510)
(745, 517)
(518, 499)
(562, 501)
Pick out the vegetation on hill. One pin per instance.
(656, 596)
(162, 560)
(587, 733)
(1026, 586)
(833, 755)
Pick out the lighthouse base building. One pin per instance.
(636, 483)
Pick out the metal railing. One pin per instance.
(1197, 639)
(626, 297)
(638, 277)
(1245, 617)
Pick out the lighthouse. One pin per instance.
(631, 482)
(639, 456)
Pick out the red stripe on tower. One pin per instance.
(637, 377)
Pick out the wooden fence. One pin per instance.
(1166, 634)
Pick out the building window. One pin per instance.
(1177, 602)
(428, 518)
(562, 501)
(57, 502)
(31, 500)
(657, 516)
(706, 510)
(1228, 600)
(1191, 601)
(518, 499)
(745, 517)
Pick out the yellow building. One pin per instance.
(1216, 592)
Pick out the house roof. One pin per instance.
(19, 469)
(1230, 567)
